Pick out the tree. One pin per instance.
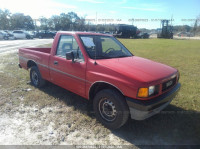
(43, 23)
(81, 25)
(55, 22)
(65, 22)
(74, 21)
(198, 23)
(195, 27)
(50, 24)
(20, 21)
(100, 27)
(4, 19)
(28, 23)
(16, 21)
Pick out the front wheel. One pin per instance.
(36, 78)
(110, 108)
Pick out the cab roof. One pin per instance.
(82, 33)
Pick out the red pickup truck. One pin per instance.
(101, 69)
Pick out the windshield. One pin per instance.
(104, 47)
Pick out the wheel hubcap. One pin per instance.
(107, 109)
(35, 78)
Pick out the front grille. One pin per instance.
(168, 84)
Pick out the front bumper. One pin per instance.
(142, 109)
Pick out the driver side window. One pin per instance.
(67, 43)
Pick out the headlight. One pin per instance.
(151, 90)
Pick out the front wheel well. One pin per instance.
(98, 86)
(30, 64)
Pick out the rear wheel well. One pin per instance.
(96, 87)
(30, 64)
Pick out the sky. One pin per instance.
(141, 13)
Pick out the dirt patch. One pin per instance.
(49, 126)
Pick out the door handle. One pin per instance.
(55, 62)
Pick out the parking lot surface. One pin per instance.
(7, 46)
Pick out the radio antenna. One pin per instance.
(95, 54)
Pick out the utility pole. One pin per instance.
(96, 18)
(96, 21)
(35, 24)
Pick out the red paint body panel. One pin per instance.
(127, 74)
(138, 68)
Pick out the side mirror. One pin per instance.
(70, 56)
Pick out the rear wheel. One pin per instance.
(27, 37)
(110, 108)
(36, 78)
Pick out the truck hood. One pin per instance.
(138, 68)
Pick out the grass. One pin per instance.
(178, 124)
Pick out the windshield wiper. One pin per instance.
(122, 56)
(103, 57)
(108, 57)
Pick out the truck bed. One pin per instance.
(40, 56)
(44, 50)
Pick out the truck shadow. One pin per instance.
(173, 126)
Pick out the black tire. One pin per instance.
(113, 102)
(36, 78)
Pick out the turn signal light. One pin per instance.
(143, 92)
